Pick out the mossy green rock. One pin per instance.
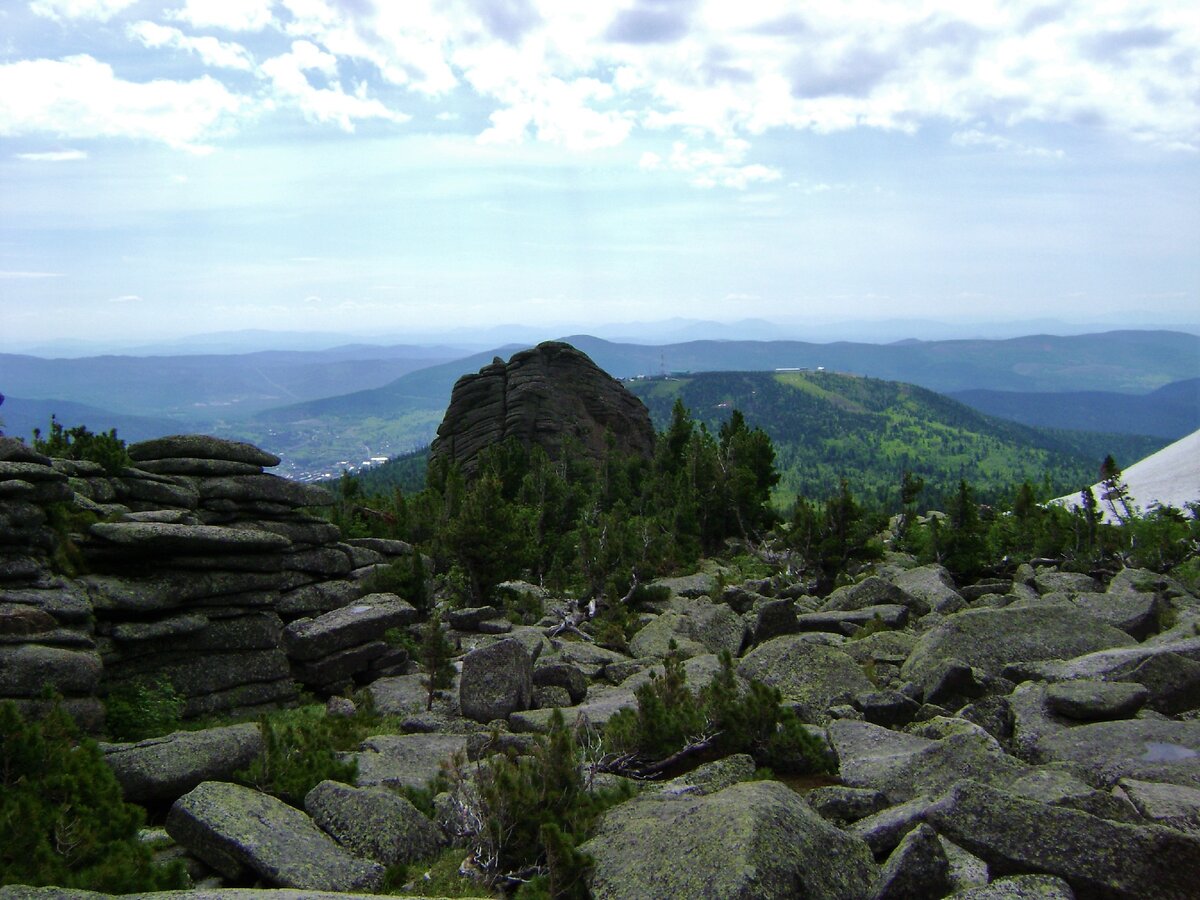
(1146, 749)
(373, 822)
(1021, 887)
(755, 840)
(811, 676)
(201, 446)
(165, 538)
(902, 766)
(405, 760)
(165, 768)
(990, 639)
(241, 832)
(1098, 858)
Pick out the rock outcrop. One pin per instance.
(547, 396)
(193, 567)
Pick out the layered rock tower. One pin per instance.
(542, 397)
(192, 565)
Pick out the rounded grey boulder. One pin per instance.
(756, 839)
(496, 681)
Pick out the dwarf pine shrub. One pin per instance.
(143, 708)
(62, 814)
(731, 718)
(300, 750)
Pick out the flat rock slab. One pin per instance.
(1020, 887)
(201, 446)
(903, 766)
(265, 488)
(697, 627)
(755, 840)
(175, 589)
(200, 467)
(1095, 856)
(29, 472)
(1089, 701)
(366, 619)
(405, 760)
(166, 768)
(932, 585)
(322, 597)
(847, 622)
(240, 832)
(1172, 805)
(873, 591)
(1134, 612)
(26, 670)
(159, 537)
(990, 639)
(698, 585)
(399, 695)
(1144, 749)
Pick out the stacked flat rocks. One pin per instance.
(196, 560)
(330, 650)
(46, 632)
(187, 580)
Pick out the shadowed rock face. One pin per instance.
(541, 397)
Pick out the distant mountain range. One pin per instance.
(210, 388)
(1169, 412)
(322, 410)
(21, 416)
(469, 338)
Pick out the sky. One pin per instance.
(375, 167)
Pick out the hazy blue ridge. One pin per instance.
(1170, 412)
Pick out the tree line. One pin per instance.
(596, 531)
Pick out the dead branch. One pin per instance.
(631, 765)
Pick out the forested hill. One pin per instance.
(828, 426)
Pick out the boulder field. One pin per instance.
(1036, 736)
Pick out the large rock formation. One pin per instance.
(194, 566)
(543, 396)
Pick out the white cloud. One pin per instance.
(587, 75)
(231, 15)
(126, 298)
(102, 10)
(80, 97)
(212, 52)
(976, 138)
(723, 166)
(290, 86)
(13, 275)
(54, 156)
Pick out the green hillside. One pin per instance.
(827, 426)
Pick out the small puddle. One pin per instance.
(1160, 752)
